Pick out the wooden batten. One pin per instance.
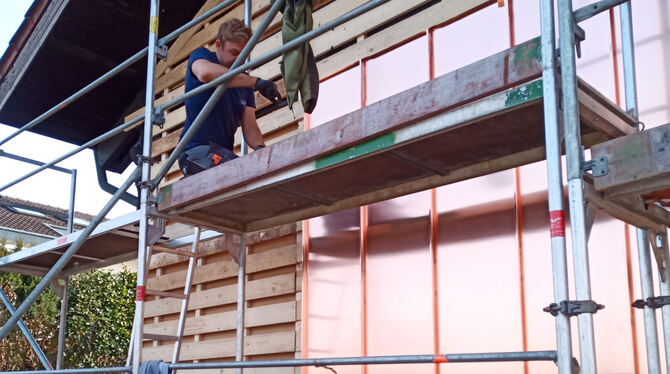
(274, 263)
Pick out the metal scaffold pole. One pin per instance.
(555, 183)
(644, 252)
(574, 155)
(62, 324)
(145, 186)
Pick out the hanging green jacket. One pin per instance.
(299, 65)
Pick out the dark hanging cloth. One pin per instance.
(299, 65)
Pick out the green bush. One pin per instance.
(100, 317)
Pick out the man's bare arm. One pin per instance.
(207, 71)
(252, 134)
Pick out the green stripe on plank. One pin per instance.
(358, 150)
(525, 93)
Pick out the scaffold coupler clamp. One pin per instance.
(652, 302)
(573, 308)
(162, 52)
(158, 118)
(141, 159)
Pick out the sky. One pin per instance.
(49, 187)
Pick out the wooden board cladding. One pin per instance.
(273, 306)
(275, 259)
(397, 20)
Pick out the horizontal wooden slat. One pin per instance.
(225, 269)
(256, 289)
(258, 316)
(223, 243)
(340, 35)
(253, 345)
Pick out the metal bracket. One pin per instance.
(573, 307)
(651, 302)
(146, 184)
(659, 247)
(158, 118)
(162, 52)
(155, 231)
(144, 159)
(580, 36)
(598, 166)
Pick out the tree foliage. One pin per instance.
(100, 317)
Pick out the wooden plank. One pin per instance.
(256, 289)
(253, 345)
(601, 114)
(258, 316)
(495, 73)
(437, 14)
(636, 161)
(256, 262)
(171, 78)
(225, 243)
(165, 144)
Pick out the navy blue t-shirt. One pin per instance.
(220, 125)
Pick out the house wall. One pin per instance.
(467, 267)
(462, 268)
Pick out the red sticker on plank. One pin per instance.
(557, 223)
(141, 291)
(62, 240)
(440, 359)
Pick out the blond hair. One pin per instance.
(233, 30)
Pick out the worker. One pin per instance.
(213, 142)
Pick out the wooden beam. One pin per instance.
(636, 162)
(253, 345)
(254, 317)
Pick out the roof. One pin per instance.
(62, 46)
(30, 217)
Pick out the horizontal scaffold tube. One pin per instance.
(131, 60)
(588, 11)
(86, 145)
(320, 362)
(378, 360)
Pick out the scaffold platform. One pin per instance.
(480, 119)
(112, 242)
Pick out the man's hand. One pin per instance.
(268, 89)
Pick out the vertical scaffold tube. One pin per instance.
(574, 153)
(62, 323)
(646, 281)
(241, 301)
(555, 183)
(145, 190)
(247, 23)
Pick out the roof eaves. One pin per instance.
(30, 36)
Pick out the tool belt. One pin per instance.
(203, 157)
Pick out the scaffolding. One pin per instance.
(540, 87)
